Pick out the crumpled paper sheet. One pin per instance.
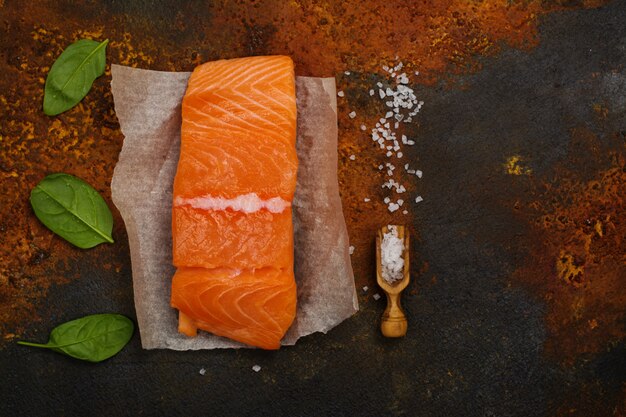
(148, 106)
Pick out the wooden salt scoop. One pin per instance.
(394, 323)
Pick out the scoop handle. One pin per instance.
(394, 322)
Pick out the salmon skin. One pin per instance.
(231, 218)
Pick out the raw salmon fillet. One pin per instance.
(231, 221)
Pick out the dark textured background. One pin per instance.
(517, 305)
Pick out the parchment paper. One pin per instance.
(148, 104)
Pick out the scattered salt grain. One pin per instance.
(365, 288)
(340, 93)
(351, 250)
(256, 368)
(376, 297)
(352, 114)
(347, 72)
(401, 105)
(352, 157)
(391, 251)
(202, 371)
(418, 199)
(367, 200)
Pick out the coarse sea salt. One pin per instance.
(376, 296)
(391, 255)
(402, 104)
(202, 371)
(365, 288)
(256, 368)
(247, 203)
(351, 250)
(340, 93)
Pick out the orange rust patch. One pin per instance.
(514, 166)
(600, 111)
(579, 269)
(432, 36)
(33, 145)
(569, 270)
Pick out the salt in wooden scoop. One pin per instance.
(394, 323)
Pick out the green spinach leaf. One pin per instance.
(91, 338)
(72, 74)
(72, 209)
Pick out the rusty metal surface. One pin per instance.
(517, 302)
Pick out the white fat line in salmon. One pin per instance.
(247, 203)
